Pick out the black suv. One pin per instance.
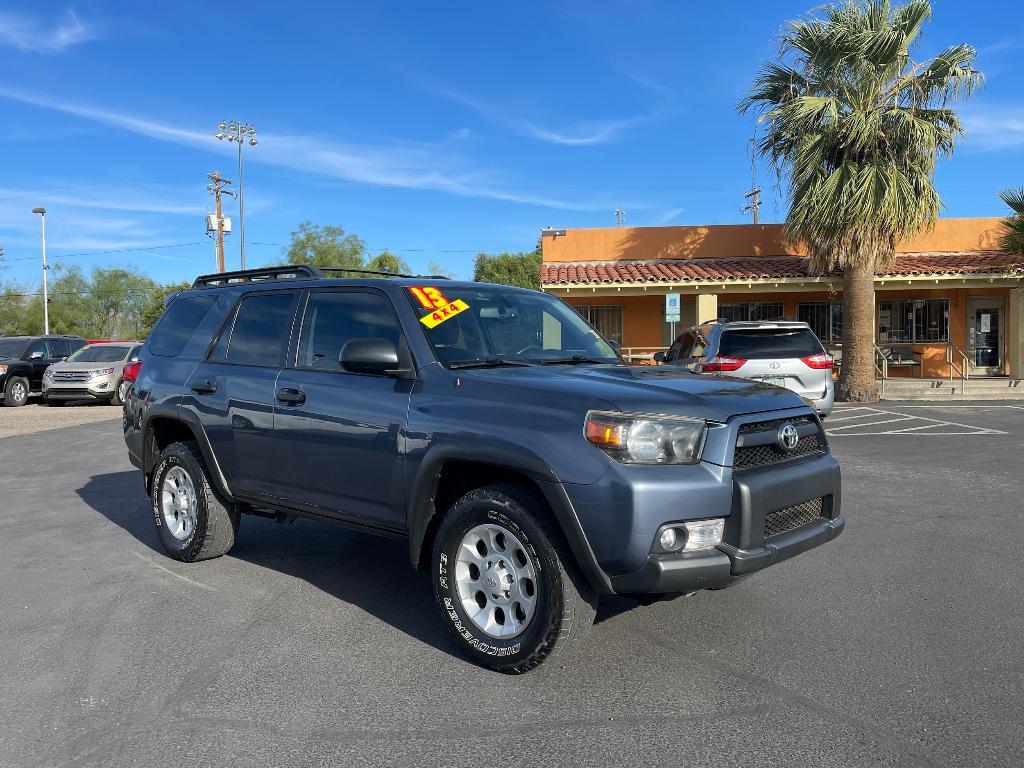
(24, 360)
(529, 468)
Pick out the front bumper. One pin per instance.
(98, 388)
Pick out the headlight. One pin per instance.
(642, 439)
(49, 374)
(3, 370)
(100, 372)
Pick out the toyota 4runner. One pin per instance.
(530, 469)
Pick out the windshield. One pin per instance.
(12, 347)
(488, 323)
(104, 354)
(754, 343)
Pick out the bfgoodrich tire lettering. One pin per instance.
(212, 525)
(564, 609)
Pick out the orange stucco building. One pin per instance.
(951, 300)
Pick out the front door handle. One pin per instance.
(203, 387)
(291, 396)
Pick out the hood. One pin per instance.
(649, 389)
(65, 367)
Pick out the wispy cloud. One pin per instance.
(668, 216)
(994, 127)
(38, 35)
(1010, 43)
(578, 134)
(107, 200)
(409, 165)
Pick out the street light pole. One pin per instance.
(46, 298)
(242, 133)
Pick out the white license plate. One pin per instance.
(778, 381)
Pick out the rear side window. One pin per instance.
(260, 331)
(755, 343)
(335, 318)
(59, 348)
(178, 323)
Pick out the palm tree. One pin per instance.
(854, 125)
(1013, 237)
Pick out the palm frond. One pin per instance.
(1013, 232)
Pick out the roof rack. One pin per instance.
(290, 272)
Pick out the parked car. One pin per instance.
(780, 352)
(527, 465)
(94, 372)
(24, 359)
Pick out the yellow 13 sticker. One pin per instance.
(431, 298)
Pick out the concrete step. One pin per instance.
(943, 389)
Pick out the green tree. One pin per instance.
(154, 306)
(522, 269)
(325, 246)
(1013, 236)
(386, 261)
(436, 268)
(855, 125)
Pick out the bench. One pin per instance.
(903, 357)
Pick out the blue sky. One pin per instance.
(436, 130)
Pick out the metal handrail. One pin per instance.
(883, 371)
(962, 370)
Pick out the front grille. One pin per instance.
(791, 518)
(72, 376)
(748, 456)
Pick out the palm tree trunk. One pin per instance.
(857, 376)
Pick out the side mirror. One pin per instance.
(36, 356)
(659, 357)
(616, 346)
(377, 356)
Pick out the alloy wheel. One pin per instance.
(178, 503)
(496, 581)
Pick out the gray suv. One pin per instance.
(529, 468)
(784, 353)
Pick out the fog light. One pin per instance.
(703, 534)
(667, 540)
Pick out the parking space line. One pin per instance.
(920, 429)
(871, 412)
(830, 430)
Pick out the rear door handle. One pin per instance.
(203, 387)
(291, 396)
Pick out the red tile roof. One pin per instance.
(767, 268)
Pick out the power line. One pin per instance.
(113, 250)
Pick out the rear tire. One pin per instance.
(16, 392)
(506, 583)
(192, 523)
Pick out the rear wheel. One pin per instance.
(192, 523)
(16, 392)
(506, 582)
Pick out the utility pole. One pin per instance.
(242, 133)
(754, 196)
(216, 187)
(620, 217)
(46, 297)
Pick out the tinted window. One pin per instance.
(769, 342)
(261, 329)
(38, 348)
(334, 318)
(58, 348)
(178, 323)
(99, 354)
(12, 347)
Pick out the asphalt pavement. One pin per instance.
(312, 645)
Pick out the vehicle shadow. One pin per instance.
(369, 572)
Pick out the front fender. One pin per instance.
(195, 426)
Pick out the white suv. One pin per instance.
(780, 352)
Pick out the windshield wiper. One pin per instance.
(489, 362)
(576, 360)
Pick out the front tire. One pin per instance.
(192, 523)
(120, 392)
(16, 392)
(506, 582)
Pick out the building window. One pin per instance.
(824, 317)
(606, 318)
(749, 310)
(913, 321)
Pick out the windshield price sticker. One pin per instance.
(432, 299)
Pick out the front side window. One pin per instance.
(58, 348)
(99, 354)
(333, 318)
(260, 331)
(475, 324)
(38, 349)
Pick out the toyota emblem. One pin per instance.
(787, 437)
(774, 365)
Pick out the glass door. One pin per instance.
(985, 336)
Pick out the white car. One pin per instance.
(785, 353)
